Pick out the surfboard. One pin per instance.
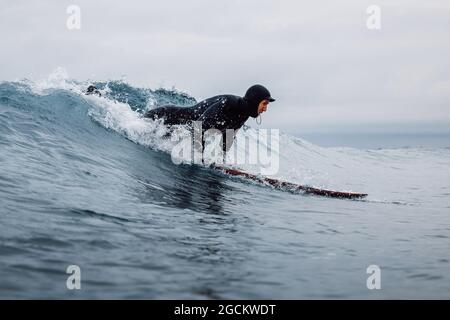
(289, 186)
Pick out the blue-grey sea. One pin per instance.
(86, 181)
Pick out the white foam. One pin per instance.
(121, 118)
(58, 79)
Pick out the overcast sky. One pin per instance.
(326, 69)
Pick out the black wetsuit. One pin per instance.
(220, 112)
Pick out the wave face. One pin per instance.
(86, 180)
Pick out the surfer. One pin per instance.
(220, 112)
(224, 112)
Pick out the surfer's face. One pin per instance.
(263, 106)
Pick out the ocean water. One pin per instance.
(379, 140)
(86, 181)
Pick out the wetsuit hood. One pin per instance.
(254, 95)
